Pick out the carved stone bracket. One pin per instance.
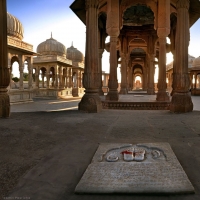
(91, 4)
(183, 4)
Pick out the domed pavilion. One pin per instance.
(195, 77)
(77, 58)
(56, 75)
(22, 53)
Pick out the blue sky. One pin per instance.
(41, 17)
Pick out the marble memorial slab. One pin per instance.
(141, 168)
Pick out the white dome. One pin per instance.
(51, 47)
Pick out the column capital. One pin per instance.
(163, 32)
(183, 4)
(91, 4)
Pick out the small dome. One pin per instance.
(14, 27)
(196, 62)
(74, 54)
(51, 47)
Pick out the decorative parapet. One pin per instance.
(19, 44)
(135, 105)
(51, 58)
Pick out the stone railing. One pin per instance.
(19, 44)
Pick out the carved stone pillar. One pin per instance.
(151, 71)
(21, 72)
(162, 85)
(145, 76)
(56, 77)
(10, 70)
(70, 78)
(4, 71)
(48, 77)
(112, 28)
(129, 75)
(163, 31)
(123, 89)
(101, 93)
(113, 82)
(195, 80)
(30, 73)
(181, 99)
(191, 79)
(60, 78)
(42, 79)
(91, 101)
(37, 77)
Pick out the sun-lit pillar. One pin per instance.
(101, 93)
(60, 77)
(42, 79)
(48, 77)
(10, 68)
(163, 31)
(30, 73)
(123, 89)
(195, 80)
(21, 72)
(151, 72)
(145, 76)
(113, 82)
(181, 99)
(91, 101)
(112, 28)
(37, 73)
(56, 77)
(4, 71)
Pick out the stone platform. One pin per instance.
(142, 168)
(135, 101)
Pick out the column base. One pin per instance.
(150, 91)
(181, 103)
(162, 96)
(123, 91)
(90, 103)
(112, 96)
(4, 105)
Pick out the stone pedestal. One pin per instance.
(4, 71)
(91, 101)
(181, 99)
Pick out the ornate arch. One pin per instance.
(125, 4)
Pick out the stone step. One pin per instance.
(135, 105)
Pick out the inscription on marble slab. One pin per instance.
(140, 168)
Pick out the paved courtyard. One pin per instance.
(44, 153)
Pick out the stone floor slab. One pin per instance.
(142, 168)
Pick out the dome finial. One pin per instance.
(51, 34)
(72, 44)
